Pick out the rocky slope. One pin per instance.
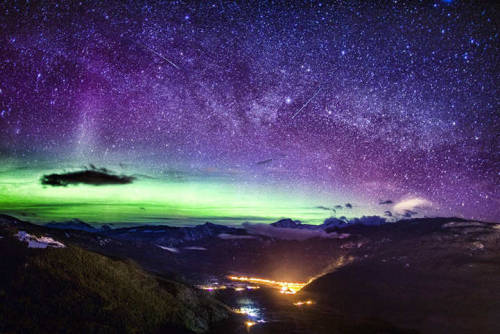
(432, 276)
(48, 284)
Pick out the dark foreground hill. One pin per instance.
(434, 276)
(50, 286)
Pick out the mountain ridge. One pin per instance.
(39, 285)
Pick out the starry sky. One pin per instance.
(235, 111)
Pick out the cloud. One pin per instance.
(227, 236)
(289, 233)
(409, 213)
(348, 205)
(197, 248)
(326, 208)
(386, 202)
(410, 204)
(170, 249)
(94, 176)
(388, 213)
(334, 208)
(263, 162)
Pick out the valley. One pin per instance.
(421, 275)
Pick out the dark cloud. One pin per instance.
(263, 162)
(93, 176)
(348, 205)
(386, 202)
(409, 213)
(325, 208)
(388, 213)
(338, 206)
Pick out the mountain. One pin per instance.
(49, 284)
(429, 275)
(288, 223)
(74, 224)
(331, 222)
(169, 235)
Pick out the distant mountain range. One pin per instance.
(170, 235)
(332, 222)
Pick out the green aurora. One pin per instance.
(190, 199)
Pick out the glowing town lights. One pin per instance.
(250, 311)
(300, 303)
(250, 323)
(285, 287)
(235, 286)
(211, 287)
(287, 290)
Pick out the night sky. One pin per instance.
(230, 111)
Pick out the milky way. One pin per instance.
(370, 102)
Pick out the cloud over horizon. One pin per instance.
(406, 205)
(290, 233)
(94, 176)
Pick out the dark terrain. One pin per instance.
(415, 276)
(58, 290)
(435, 276)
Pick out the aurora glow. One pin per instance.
(229, 111)
(192, 199)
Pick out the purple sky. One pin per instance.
(382, 101)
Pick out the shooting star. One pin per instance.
(159, 55)
(305, 104)
(147, 47)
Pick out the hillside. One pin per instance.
(428, 275)
(49, 286)
(433, 276)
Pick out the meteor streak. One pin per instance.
(159, 55)
(305, 104)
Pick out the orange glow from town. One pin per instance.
(253, 287)
(285, 287)
(300, 303)
(211, 287)
(250, 323)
